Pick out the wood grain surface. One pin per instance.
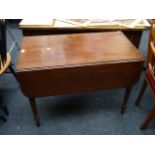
(60, 64)
(59, 51)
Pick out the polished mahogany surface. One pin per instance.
(60, 64)
(59, 51)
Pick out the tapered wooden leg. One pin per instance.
(148, 119)
(126, 98)
(34, 110)
(141, 93)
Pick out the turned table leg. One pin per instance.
(34, 110)
(126, 98)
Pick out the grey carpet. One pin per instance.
(87, 113)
